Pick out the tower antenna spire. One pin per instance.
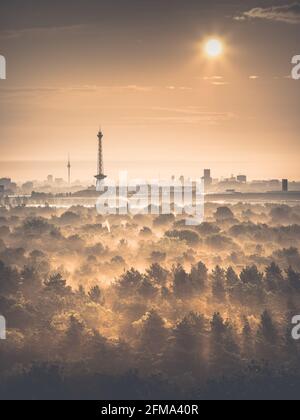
(100, 173)
(69, 169)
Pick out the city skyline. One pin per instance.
(23, 171)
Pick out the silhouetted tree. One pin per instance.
(56, 284)
(267, 330)
(218, 283)
(199, 277)
(223, 213)
(273, 277)
(153, 332)
(30, 280)
(147, 289)
(9, 279)
(129, 282)
(251, 275)
(95, 294)
(192, 238)
(181, 284)
(187, 345)
(74, 332)
(293, 279)
(247, 339)
(157, 273)
(232, 279)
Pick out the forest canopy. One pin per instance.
(145, 307)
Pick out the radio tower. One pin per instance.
(100, 175)
(69, 170)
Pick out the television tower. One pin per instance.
(69, 170)
(100, 175)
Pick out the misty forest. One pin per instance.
(146, 307)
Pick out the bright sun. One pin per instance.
(213, 48)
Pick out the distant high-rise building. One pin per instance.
(59, 181)
(207, 173)
(242, 179)
(5, 182)
(207, 177)
(285, 185)
(50, 179)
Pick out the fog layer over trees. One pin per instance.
(146, 307)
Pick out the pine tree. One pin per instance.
(199, 277)
(153, 333)
(293, 279)
(232, 279)
(218, 283)
(181, 284)
(56, 283)
(273, 277)
(95, 294)
(267, 330)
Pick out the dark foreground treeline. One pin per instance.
(163, 334)
(49, 382)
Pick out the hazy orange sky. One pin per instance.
(137, 68)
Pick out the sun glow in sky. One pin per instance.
(214, 48)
